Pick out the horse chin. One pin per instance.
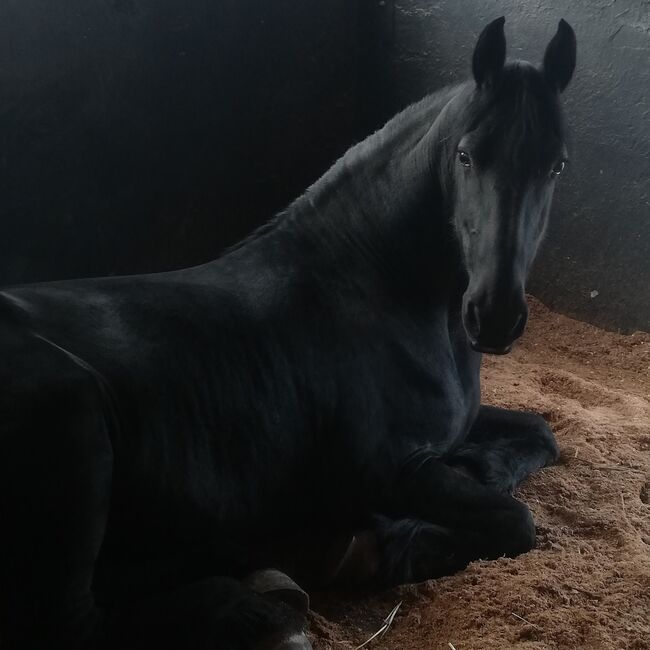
(485, 349)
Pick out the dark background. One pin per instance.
(143, 135)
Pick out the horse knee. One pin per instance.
(517, 534)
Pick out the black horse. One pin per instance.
(162, 437)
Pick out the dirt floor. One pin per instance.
(587, 584)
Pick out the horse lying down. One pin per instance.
(164, 437)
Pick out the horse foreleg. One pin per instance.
(438, 519)
(504, 447)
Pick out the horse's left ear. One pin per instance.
(489, 53)
(560, 57)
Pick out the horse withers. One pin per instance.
(164, 437)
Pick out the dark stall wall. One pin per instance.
(595, 263)
(140, 135)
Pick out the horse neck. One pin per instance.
(379, 215)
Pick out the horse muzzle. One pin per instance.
(492, 328)
(477, 347)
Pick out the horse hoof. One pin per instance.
(278, 585)
(294, 642)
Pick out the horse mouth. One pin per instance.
(485, 349)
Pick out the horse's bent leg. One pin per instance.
(412, 550)
(439, 519)
(504, 447)
(55, 484)
(55, 479)
(214, 613)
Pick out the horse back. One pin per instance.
(195, 387)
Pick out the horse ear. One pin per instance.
(560, 57)
(489, 53)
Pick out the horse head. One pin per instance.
(507, 151)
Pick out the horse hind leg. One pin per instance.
(55, 483)
(55, 477)
(209, 614)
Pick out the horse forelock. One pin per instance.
(519, 122)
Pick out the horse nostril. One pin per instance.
(472, 320)
(519, 326)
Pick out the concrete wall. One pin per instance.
(599, 240)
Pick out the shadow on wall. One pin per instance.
(140, 135)
(595, 263)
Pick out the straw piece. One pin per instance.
(388, 621)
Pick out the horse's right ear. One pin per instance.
(489, 53)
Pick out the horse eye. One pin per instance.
(464, 158)
(557, 169)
